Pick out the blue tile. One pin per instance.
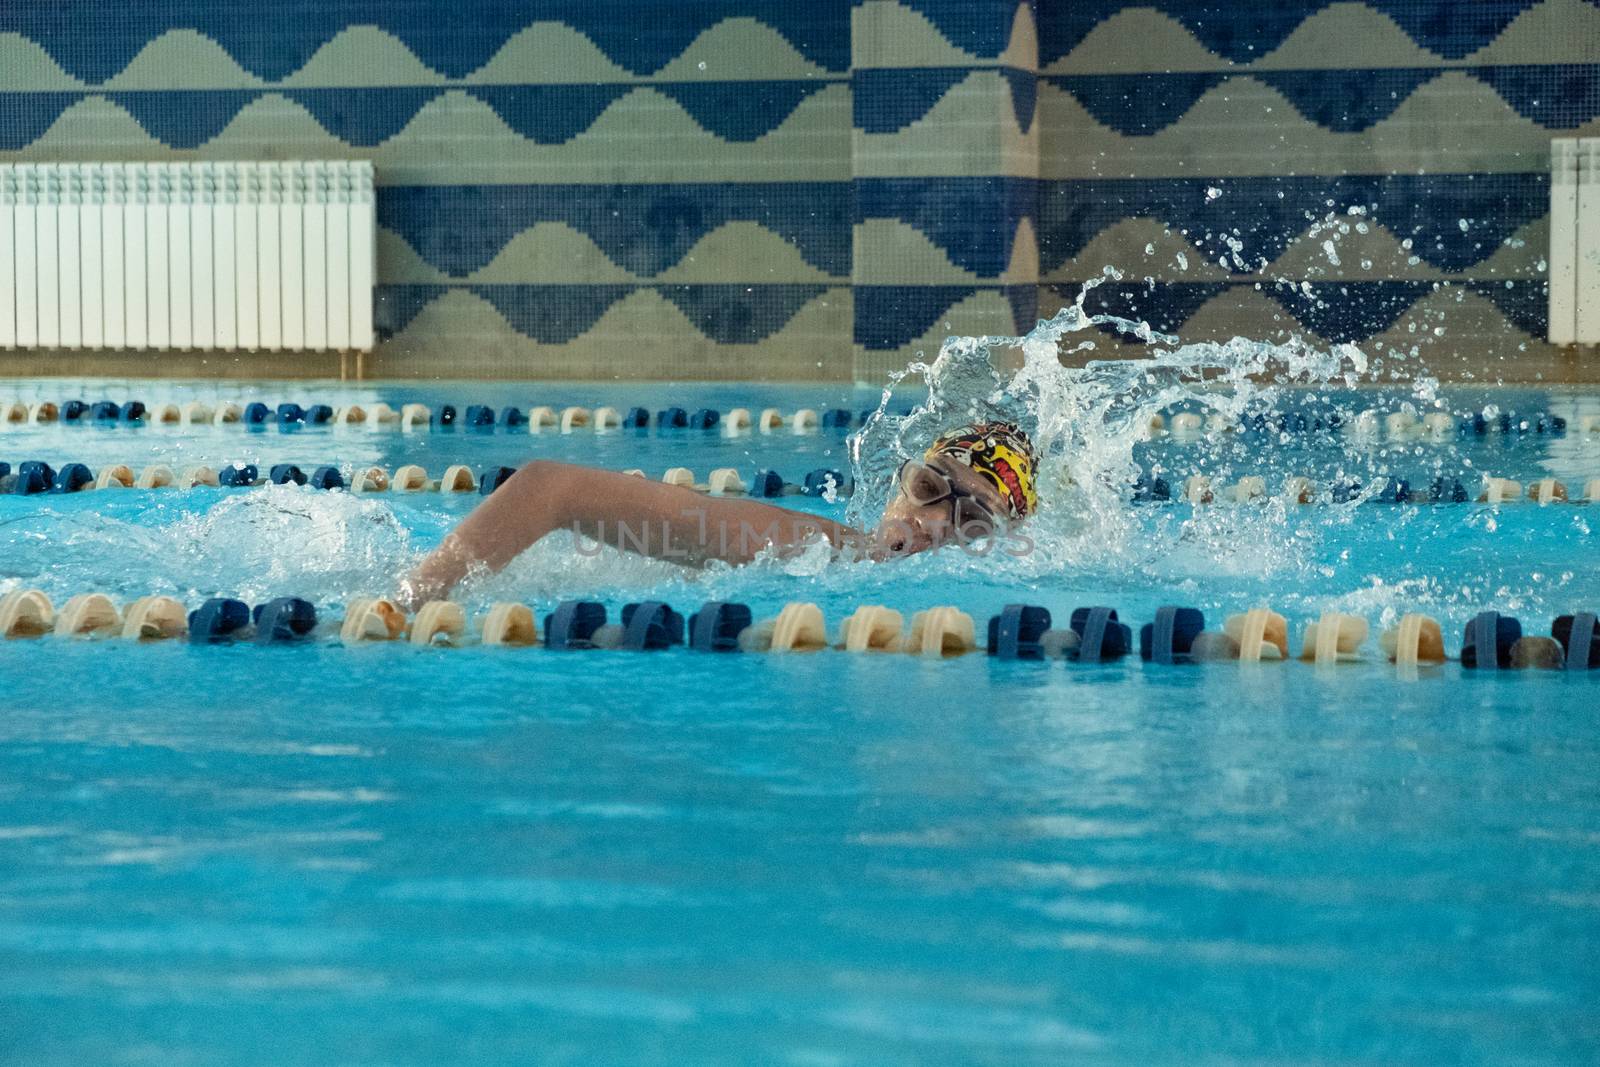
(642, 228)
(642, 36)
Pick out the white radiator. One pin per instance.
(1575, 241)
(187, 255)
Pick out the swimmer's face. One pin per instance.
(924, 514)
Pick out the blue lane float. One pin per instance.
(318, 415)
(256, 414)
(767, 484)
(1170, 638)
(291, 415)
(33, 477)
(104, 411)
(1490, 630)
(1151, 490)
(285, 473)
(672, 419)
(1579, 637)
(1100, 636)
(479, 417)
(573, 624)
(218, 620)
(283, 620)
(1018, 632)
(650, 625)
(636, 419)
(493, 478)
(512, 418)
(72, 478)
(326, 478)
(74, 411)
(717, 625)
(704, 419)
(238, 475)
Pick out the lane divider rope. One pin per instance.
(1199, 489)
(1177, 635)
(420, 418)
(36, 477)
(1435, 427)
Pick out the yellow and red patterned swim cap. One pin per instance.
(1002, 453)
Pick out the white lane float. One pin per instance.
(373, 480)
(198, 476)
(439, 622)
(87, 615)
(1334, 638)
(725, 481)
(26, 613)
(411, 479)
(458, 479)
(115, 476)
(1260, 634)
(1547, 491)
(154, 618)
(873, 629)
(372, 619)
(1416, 640)
(941, 632)
(1197, 489)
(509, 624)
(155, 476)
(1499, 491)
(799, 627)
(415, 418)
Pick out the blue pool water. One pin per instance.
(401, 856)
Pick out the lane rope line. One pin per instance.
(1177, 635)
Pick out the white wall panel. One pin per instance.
(91, 193)
(8, 260)
(1588, 267)
(26, 236)
(47, 223)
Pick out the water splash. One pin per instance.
(1088, 422)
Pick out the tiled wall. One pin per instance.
(765, 188)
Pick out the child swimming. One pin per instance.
(969, 484)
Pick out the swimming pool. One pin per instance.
(315, 853)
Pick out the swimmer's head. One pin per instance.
(968, 482)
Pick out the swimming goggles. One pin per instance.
(924, 485)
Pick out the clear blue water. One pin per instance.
(399, 856)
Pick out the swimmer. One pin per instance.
(969, 484)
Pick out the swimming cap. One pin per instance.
(1001, 452)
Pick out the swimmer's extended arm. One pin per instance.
(620, 510)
